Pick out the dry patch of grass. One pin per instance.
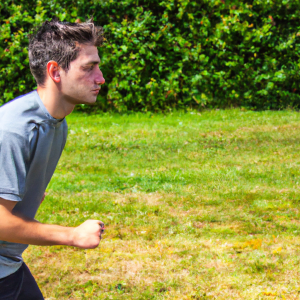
(217, 269)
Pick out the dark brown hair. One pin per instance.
(59, 41)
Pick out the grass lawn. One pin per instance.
(196, 206)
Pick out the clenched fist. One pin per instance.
(88, 234)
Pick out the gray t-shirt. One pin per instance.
(31, 143)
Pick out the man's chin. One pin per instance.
(90, 100)
(81, 100)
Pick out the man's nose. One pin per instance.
(99, 78)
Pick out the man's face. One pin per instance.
(82, 82)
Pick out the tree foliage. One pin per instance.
(169, 54)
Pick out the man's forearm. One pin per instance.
(17, 229)
(20, 230)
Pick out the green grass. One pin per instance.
(196, 206)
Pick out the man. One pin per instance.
(64, 61)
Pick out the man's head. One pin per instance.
(66, 54)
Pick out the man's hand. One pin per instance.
(88, 234)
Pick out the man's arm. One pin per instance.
(17, 229)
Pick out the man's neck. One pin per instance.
(55, 103)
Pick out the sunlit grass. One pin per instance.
(196, 206)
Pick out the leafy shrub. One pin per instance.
(169, 54)
(17, 21)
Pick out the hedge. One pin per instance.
(161, 55)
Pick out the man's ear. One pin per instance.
(53, 71)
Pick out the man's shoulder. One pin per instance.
(18, 113)
(19, 104)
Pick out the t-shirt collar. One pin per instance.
(45, 111)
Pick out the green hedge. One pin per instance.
(169, 54)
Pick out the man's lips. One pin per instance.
(96, 90)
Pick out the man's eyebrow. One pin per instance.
(96, 62)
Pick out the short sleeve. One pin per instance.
(14, 160)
